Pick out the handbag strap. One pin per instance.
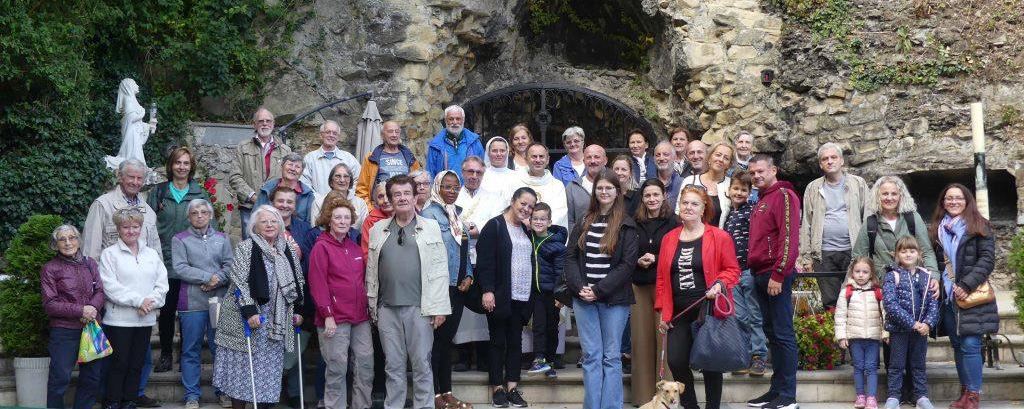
(664, 339)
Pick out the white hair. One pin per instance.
(323, 126)
(254, 218)
(874, 206)
(133, 163)
(62, 228)
(454, 108)
(292, 157)
(194, 203)
(574, 130)
(830, 145)
(668, 145)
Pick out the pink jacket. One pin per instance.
(337, 272)
(68, 286)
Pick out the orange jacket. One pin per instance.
(370, 167)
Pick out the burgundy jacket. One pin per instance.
(337, 272)
(68, 286)
(775, 232)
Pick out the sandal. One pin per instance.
(455, 403)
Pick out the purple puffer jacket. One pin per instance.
(68, 286)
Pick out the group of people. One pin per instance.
(342, 250)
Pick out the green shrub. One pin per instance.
(1017, 269)
(23, 323)
(63, 61)
(815, 334)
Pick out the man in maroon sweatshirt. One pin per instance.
(774, 248)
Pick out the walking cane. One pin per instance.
(248, 344)
(298, 357)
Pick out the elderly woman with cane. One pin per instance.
(256, 323)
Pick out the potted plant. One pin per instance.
(815, 333)
(23, 323)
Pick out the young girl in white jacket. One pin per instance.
(859, 327)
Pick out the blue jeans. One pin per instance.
(749, 313)
(147, 368)
(966, 349)
(600, 328)
(195, 325)
(777, 312)
(904, 346)
(864, 353)
(64, 343)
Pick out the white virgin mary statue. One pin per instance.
(134, 132)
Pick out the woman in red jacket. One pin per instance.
(337, 271)
(696, 261)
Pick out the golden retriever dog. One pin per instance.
(666, 397)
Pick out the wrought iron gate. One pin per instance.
(548, 109)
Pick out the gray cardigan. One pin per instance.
(197, 257)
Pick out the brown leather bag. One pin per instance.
(982, 294)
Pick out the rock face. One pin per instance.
(704, 73)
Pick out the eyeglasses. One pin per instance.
(422, 184)
(605, 188)
(450, 188)
(954, 199)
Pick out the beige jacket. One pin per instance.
(433, 260)
(247, 170)
(811, 230)
(860, 317)
(100, 231)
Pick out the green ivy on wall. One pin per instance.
(832, 19)
(609, 32)
(62, 62)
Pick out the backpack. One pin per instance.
(872, 223)
(849, 292)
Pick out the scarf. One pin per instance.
(951, 231)
(487, 150)
(282, 262)
(453, 215)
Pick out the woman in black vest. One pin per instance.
(505, 263)
(965, 248)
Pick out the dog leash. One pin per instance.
(664, 338)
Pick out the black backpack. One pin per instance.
(872, 222)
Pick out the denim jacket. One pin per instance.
(435, 212)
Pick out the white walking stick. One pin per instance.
(298, 357)
(248, 345)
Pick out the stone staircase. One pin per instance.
(836, 385)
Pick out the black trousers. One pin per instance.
(506, 345)
(545, 326)
(130, 346)
(165, 322)
(441, 354)
(829, 286)
(680, 340)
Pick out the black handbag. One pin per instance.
(720, 344)
(562, 293)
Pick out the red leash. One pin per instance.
(664, 339)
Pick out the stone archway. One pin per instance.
(549, 108)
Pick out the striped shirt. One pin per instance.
(595, 264)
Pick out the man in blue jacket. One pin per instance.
(453, 144)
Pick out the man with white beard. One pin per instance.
(257, 160)
(453, 144)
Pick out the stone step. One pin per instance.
(812, 386)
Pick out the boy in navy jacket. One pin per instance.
(549, 246)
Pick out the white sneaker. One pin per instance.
(192, 404)
(924, 403)
(892, 403)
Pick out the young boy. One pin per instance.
(737, 224)
(549, 247)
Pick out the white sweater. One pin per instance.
(551, 191)
(128, 280)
